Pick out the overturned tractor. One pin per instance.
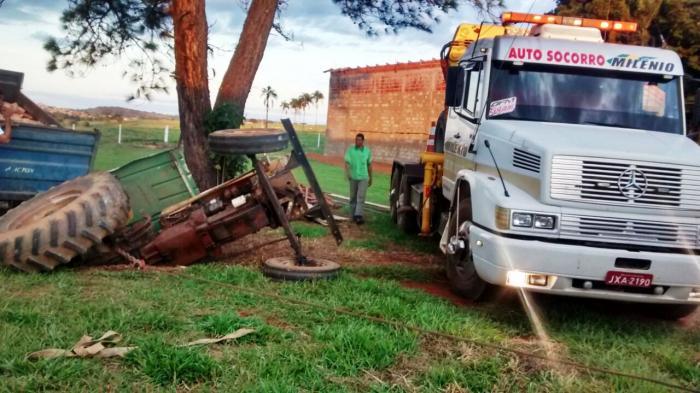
(86, 218)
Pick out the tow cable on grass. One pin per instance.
(427, 332)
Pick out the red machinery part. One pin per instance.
(197, 228)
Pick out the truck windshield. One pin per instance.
(585, 96)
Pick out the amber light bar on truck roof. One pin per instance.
(605, 25)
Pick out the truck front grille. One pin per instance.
(624, 182)
(629, 231)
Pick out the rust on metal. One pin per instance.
(196, 229)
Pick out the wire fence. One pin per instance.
(165, 135)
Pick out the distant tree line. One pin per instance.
(302, 102)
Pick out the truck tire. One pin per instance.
(461, 273)
(394, 194)
(406, 216)
(440, 132)
(247, 141)
(286, 269)
(66, 221)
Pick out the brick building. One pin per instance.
(392, 105)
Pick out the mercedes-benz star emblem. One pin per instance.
(632, 183)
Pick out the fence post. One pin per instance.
(73, 126)
(119, 135)
(165, 136)
(318, 141)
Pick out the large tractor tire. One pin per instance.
(248, 141)
(62, 223)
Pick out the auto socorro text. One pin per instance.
(582, 58)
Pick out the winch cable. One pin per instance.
(427, 332)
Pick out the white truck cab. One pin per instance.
(566, 170)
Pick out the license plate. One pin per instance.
(640, 280)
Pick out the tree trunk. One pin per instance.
(190, 31)
(249, 53)
(267, 111)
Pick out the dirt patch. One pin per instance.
(544, 346)
(254, 250)
(247, 313)
(691, 322)
(407, 368)
(34, 291)
(278, 323)
(338, 161)
(438, 289)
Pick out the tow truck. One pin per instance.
(560, 165)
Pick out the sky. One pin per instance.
(323, 39)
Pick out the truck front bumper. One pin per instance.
(572, 268)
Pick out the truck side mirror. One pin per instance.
(464, 83)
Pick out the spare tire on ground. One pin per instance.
(64, 222)
(248, 141)
(286, 268)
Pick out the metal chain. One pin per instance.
(135, 262)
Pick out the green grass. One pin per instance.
(298, 348)
(380, 233)
(139, 139)
(309, 230)
(166, 364)
(332, 180)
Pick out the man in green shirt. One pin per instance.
(358, 171)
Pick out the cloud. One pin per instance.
(14, 12)
(40, 36)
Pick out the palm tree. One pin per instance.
(316, 96)
(285, 106)
(304, 101)
(295, 104)
(269, 96)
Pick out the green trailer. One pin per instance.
(156, 182)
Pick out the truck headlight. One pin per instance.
(543, 221)
(533, 220)
(523, 220)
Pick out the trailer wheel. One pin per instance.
(286, 269)
(669, 312)
(460, 269)
(406, 216)
(64, 222)
(248, 141)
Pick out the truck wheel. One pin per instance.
(394, 194)
(247, 141)
(460, 269)
(670, 312)
(64, 222)
(286, 269)
(406, 216)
